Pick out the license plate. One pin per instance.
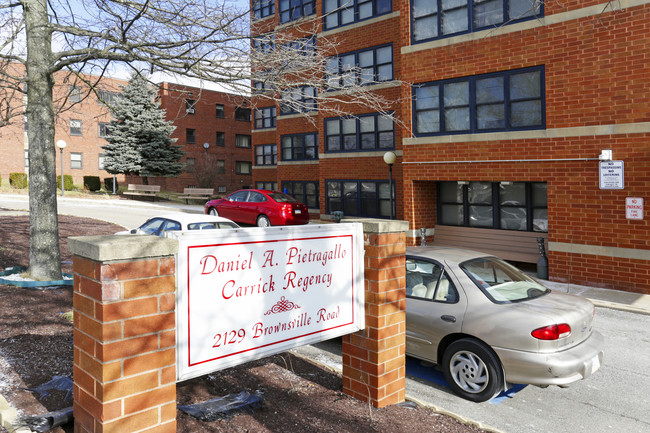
(298, 211)
(595, 363)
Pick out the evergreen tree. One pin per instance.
(139, 138)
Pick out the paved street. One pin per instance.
(614, 399)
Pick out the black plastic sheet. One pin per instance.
(224, 407)
(48, 421)
(58, 383)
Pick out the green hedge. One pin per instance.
(108, 184)
(18, 180)
(92, 183)
(67, 182)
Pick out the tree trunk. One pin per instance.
(44, 254)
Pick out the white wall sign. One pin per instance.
(611, 175)
(634, 208)
(249, 293)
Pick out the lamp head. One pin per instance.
(206, 145)
(389, 158)
(61, 144)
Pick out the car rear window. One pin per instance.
(501, 282)
(211, 226)
(282, 198)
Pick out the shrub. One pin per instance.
(108, 184)
(92, 183)
(67, 182)
(18, 180)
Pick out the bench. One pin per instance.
(142, 190)
(196, 194)
(513, 245)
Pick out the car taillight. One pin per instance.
(286, 208)
(552, 332)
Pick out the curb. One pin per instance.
(9, 418)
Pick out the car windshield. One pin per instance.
(501, 282)
(282, 198)
(211, 226)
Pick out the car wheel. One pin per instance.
(214, 212)
(263, 221)
(472, 370)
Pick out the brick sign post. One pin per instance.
(125, 329)
(373, 360)
(124, 334)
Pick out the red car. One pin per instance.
(260, 207)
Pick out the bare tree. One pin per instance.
(196, 39)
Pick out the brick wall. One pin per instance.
(124, 334)
(373, 359)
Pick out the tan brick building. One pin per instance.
(506, 108)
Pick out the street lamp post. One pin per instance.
(61, 144)
(389, 158)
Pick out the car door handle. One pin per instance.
(447, 318)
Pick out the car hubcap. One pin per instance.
(213, 212)
(263, 222)
(469, 372)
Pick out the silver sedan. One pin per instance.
(488, 325)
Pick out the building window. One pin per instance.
(512, 100)
(269, 186)
(291, 10)
(221, 138)
(243, 114)
(342, 12)
(299, 100)
(190, 106)
(190, 136)
(266, 154)
(76, 160)
(264, 43)
(107, 98)
(433, 19)
(243, 141)
(75, 127)
(101, 158)
(104, 129)
(75, 94)
(367, 198)
(220, 166)
(190, 165)
(221, 189)
(360, 133)
(299, 147)
(221, 111)
(243, 167)
(263, 8)
(265, 118)
(304, 191)
(361, 67)
(494, 205)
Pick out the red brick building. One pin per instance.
(505, 110)
(214, 130)
(201, 116)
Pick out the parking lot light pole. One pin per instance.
(389, 158)
(61, 144)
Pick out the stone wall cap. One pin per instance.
(373, 225)
(113, 247)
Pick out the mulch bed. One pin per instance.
(297, 395)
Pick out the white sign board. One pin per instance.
(611, 175)
(249, 293)
(634, 208)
